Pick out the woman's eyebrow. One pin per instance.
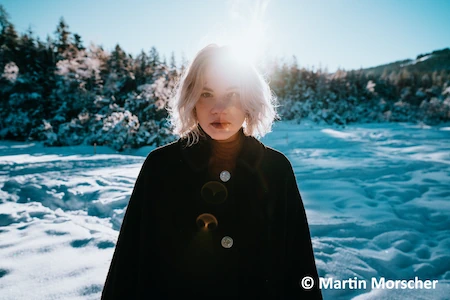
(230, 88)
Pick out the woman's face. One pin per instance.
(219, 109)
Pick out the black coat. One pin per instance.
(163, 253)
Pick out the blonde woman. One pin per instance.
(215, 213)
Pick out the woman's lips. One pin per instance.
(219, 125)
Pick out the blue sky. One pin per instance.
(331, 33)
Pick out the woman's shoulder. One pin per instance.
(161, 158)
(166, 151)
(276, 158)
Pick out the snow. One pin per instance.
(376, 195)
(424, 58)
(415, 61)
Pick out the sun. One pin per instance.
(247, 31)
(249, 44)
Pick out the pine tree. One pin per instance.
(9, 41)
(119, 75)
(154, 57)
(77, 41)
(173, 73)
(141, 68)
(28, 61)
(62, 38)
(4, 18)
(119, 62)
(173, 63)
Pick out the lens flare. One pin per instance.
(250, 39)
(246, 32)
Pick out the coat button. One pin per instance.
(227, 242)
(225, 175)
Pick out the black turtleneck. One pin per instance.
(224, 153)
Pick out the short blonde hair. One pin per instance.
(258, 100)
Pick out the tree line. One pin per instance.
(62, 92)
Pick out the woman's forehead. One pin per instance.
(220, 75)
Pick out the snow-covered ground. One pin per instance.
(377, 198)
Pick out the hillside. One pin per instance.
(424, 63)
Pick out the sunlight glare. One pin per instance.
(246, 33)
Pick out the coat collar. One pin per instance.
(197, 156)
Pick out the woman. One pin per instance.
(215, 213)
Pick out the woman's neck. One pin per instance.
(224, 153)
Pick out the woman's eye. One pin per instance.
(206, 95)
(233, 95)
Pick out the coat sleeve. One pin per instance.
(121, 280)
(300, 261)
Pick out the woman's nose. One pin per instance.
(221, 104)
